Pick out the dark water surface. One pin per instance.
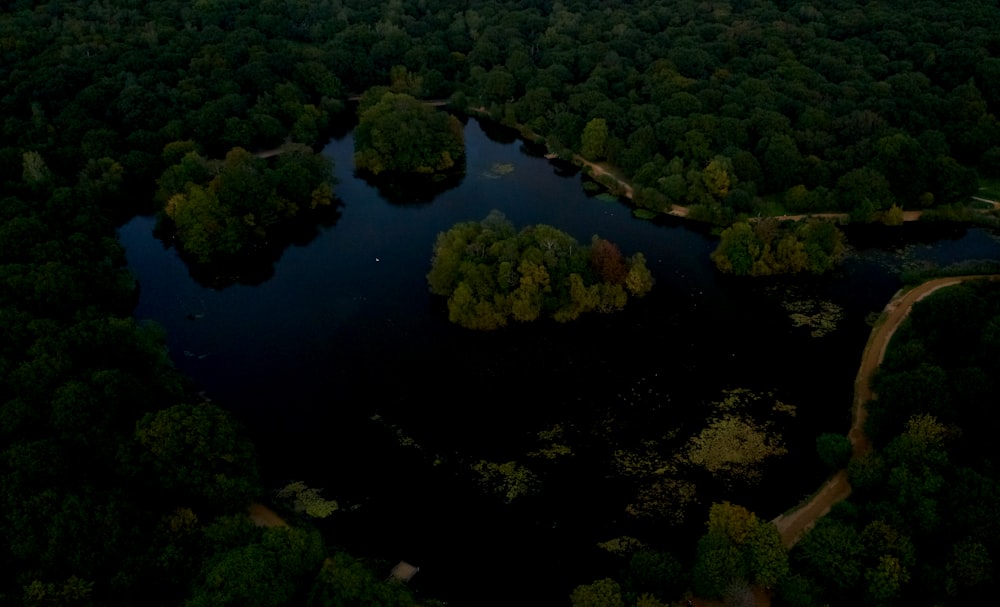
(346, 330)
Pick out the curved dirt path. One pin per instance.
(597, 169)
(792, 525)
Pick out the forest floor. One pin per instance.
(792, 525)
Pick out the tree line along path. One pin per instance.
(793, 524)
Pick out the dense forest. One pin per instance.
(121, 486)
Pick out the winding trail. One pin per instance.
(603, 169)
(792, 525)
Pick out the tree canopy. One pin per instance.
(400, 134)
(766, 248)
(491, 274)
(221, 209)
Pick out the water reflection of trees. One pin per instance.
(255, 265)
(410, 189)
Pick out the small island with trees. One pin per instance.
(397, 133)
(223, 209)
(491, 273)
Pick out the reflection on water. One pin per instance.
(345, 330)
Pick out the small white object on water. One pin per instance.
(377, 259)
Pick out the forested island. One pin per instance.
(222, 209)
(122, 486)
(400, 134)
(491, 273)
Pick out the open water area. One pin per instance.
(348, 375)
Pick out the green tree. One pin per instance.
(639, 280)
(602, 593)
(198, 450)
(343, 581)
(737, 548)
(490, 274)
(402, 134)
(834, 450)
(737, 250)
(833, 554)
(594, 139)
(265, 573)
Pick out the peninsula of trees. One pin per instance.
(766, 248)
(491, 273)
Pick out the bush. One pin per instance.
(834, 450)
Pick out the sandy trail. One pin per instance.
(597, 169)
(262, 516)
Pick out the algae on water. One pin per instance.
(498, 170)
(508, 480)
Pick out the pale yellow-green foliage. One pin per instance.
(893, 216)
(74, 591)
(622, 545)
(926, 428)
(734, 399)
(552, 447)
(34, 168)
(509, 480)
(735, 447)
(648, 600)
(498, 170)
(731, 520)
(665, 497)
(181, 520)
(639, 279)
(820, 316)
(780, 407)
(645, 461)
(307, 500)
(322, 196)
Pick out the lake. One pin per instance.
(348, 375)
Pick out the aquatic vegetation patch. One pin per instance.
(508, 480)
(734, 447)
(740, 437)
(622, 545)
(731, 449)
(498, 170)
(821, 317)
(307, 500)
(666, 498)
(642, 462)
(402, 438)
(552, 445)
